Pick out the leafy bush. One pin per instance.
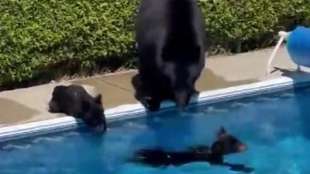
(38, 36)
(232, 23)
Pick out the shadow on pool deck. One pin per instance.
(209, 81)
(30, 104)
(118, 89)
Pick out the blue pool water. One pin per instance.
(274, 127)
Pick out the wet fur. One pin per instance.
(225, 144)
(75, 101)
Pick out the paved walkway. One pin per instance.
(30, 104)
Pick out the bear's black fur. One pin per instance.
(75, 101)
(170, 37)
(224, 145)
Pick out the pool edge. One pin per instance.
(136, 110)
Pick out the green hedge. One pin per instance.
(41, 35)
(232, 23)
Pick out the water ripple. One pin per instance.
(239, 104)
(214, 109)
(14, 146)
(48, 139)
(267, 99)
(287, 95)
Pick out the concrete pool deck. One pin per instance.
(30, 104)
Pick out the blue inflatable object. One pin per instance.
(298, 46)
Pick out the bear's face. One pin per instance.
(183, 83)
(93, 114)
(227, 144)
(182, 97)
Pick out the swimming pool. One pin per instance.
(274, 127)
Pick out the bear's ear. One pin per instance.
(98, 99)
(222, 132)
(85, 106)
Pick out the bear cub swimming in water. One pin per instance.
(224, 145)
(170, 38)
(75, 101)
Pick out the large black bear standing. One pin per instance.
(170, 37)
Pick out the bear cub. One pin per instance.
(75, 101)
(224, 145)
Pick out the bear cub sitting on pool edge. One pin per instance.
(224, 145)
(75, 101)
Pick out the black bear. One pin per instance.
(170, 38)
(75, 101)
(225, 144)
